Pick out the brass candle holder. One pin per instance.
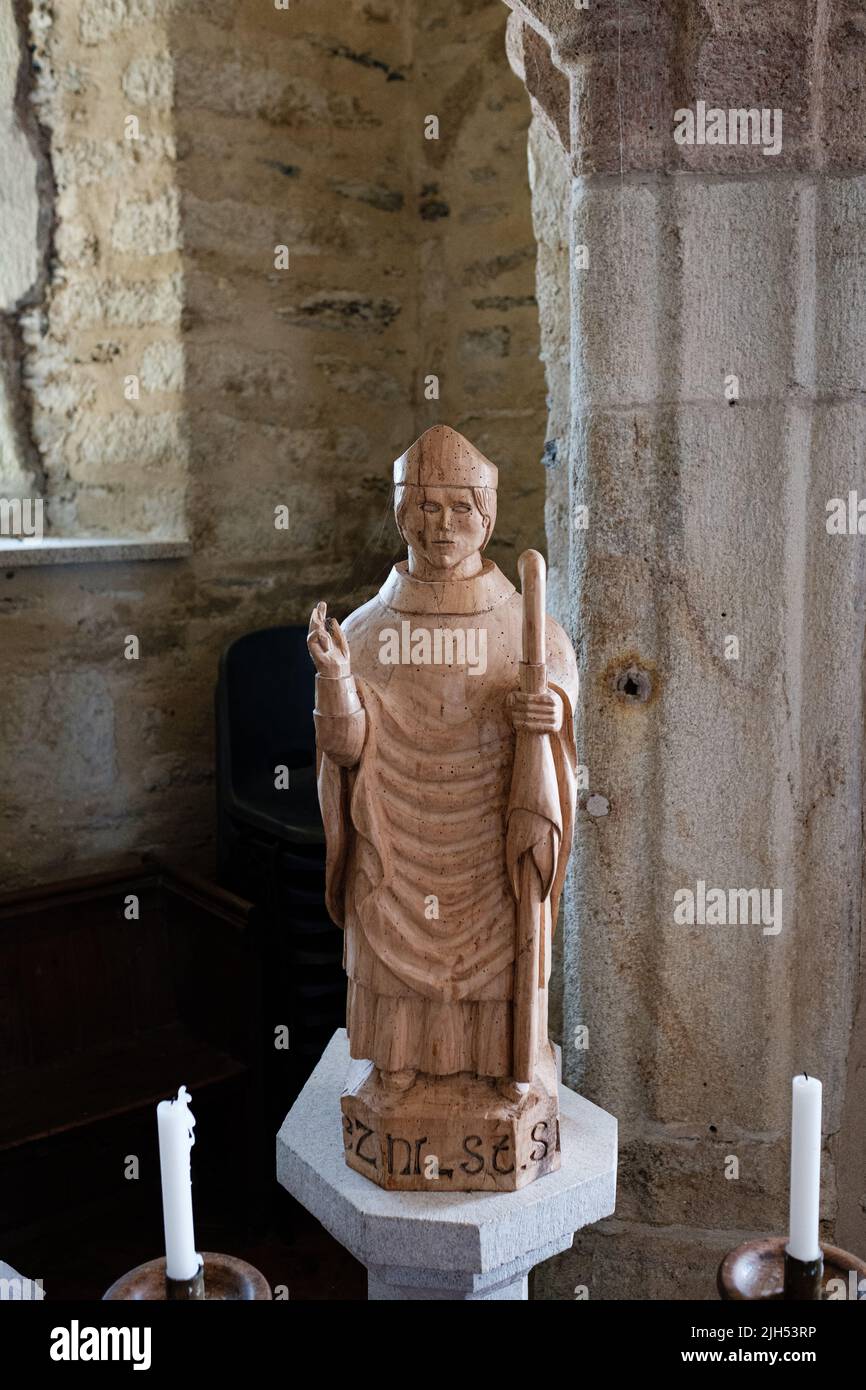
(763, 1269)
(220, 1278)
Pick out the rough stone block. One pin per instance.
(77, 765)
(736, 257)
(673, 1176)
(353, 378)
(162, 366)
(617, 338)
(99, 20)
(112, 444)
(622, 1262)
(149, 81)
(411, 1142)
(840, 290)
(843, 95)
(630, 76)
(702, 272)
(86, 301)
(82, 163)
(149, 226)
(547, 84)
(20, 262)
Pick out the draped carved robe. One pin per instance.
(415, 766)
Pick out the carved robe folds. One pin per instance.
(415, 770)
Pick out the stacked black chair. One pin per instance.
(271, 844)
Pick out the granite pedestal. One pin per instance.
(460, 1245)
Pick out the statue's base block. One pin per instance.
(437, 1244)
(450, 1134)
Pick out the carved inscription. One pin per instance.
(355, 1136)
(404, 1157)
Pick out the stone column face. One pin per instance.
(706, 359)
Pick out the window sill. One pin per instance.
(87, 550)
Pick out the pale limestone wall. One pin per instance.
(707, 519)
(475, 292)
(111, 463)
(259, 387)
(21, 264)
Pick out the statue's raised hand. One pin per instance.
(327, 645)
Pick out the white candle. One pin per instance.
(803, 1242)
(175, 1122)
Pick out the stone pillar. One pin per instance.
(705, 360)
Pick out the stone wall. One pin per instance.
(103, 360)
(666, 270)
(23, 263)
(260, 386)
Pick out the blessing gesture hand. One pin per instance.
(327, 645)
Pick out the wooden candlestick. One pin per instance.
(762, 1269)
(221, 1278)
(185, 1290)
(802, 1279)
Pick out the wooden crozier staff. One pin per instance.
(534, 836)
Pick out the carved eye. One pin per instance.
(430, 507)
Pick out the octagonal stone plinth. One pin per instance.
(444, 1245)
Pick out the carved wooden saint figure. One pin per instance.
(444, 723)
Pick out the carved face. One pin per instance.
(443, 524)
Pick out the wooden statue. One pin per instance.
(444, 724)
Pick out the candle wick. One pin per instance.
(806, 1074)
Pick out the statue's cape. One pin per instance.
(417, 831)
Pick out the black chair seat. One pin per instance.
(271, 842)
(264, 710)
(277, 823)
